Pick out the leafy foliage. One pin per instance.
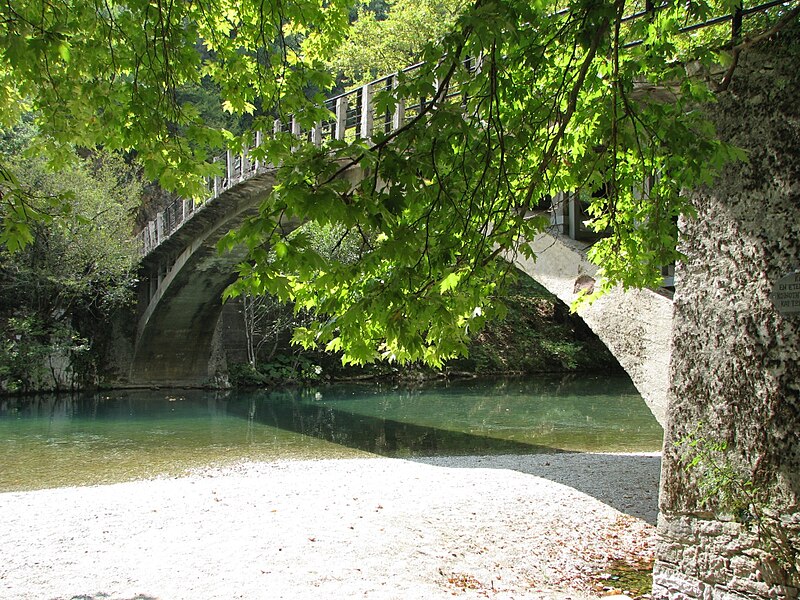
(74, 271)
(281, 369)
(86, 257)
(557, 103)
(111, 75)
(268, 321)
(538, 335)
(28, 352)
(381, 42)
(22, 354)
(517, 101)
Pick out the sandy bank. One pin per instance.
(498, 527)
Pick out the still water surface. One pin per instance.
(50, 441)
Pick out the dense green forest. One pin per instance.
(77, 266)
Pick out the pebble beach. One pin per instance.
(506, 527)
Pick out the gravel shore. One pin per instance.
(504, 527)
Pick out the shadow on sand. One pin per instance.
(626, 482)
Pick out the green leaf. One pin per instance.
(63, 51)
(281, 249)
(449, 282)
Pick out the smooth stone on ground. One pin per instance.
(362, 528)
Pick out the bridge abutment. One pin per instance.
(635, 325)
(729, 525)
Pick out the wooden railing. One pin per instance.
(354, 117)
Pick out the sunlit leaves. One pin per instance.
(379, 44)
(513, 105)
(108, 74)
(78, 259)
(555, 104)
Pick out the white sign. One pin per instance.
(786, 294)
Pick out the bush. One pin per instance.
(282, 369)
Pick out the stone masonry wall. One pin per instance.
(736, 359)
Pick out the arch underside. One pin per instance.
(174, 348)
(176, 332)
(176, 329)
(635, 325)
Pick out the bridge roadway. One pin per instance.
(180, 294)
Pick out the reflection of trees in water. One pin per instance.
(117, 404)
(466, 417)
(46, 406)
(290, 411)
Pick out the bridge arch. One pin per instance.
(180, 295)
(181, 305)
(635, 325)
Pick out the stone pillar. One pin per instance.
(736, 358)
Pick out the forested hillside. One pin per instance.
(76, 267)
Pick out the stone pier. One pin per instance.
(736, 356)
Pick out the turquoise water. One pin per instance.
(51, 441)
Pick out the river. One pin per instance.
(84, 439)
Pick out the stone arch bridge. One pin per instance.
(179, 325)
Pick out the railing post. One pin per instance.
(341, 117)
(244, 168)
(259, 139)
(557, 212)
(295, 129)
(399, 116)
(159, 227)
(367, 115)
(478, 63)
(277, 126)
(573, 215)
(736, 24)
(316, 134)
(228, 168)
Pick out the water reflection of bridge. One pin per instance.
(547, 415)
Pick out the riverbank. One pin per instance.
(507, 527)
